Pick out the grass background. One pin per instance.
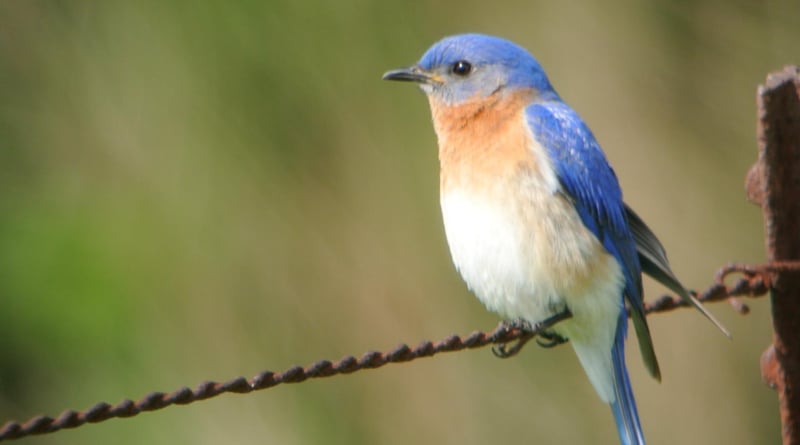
(200, 190)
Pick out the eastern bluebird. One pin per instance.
(533, 213)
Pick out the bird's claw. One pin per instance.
(530, 330)
(550, 340)
(502, 350)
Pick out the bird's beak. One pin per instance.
(411, 74)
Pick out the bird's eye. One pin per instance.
(461, 68)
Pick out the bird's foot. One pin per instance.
(530, 330)
(549, 340)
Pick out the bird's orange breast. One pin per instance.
(483, 140)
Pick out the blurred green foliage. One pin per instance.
(199, 190)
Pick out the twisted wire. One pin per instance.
(754, 281)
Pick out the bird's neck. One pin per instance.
(492, 110)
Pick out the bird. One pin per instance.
(534, 215)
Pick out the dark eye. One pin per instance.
(461, 68)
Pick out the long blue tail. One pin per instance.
(624, 407)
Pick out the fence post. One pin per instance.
(774, 184)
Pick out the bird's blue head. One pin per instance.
(469, 66)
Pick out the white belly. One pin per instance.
(494, 258)
(531, 257)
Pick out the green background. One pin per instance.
(201, 190)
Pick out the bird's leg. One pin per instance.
(531, 330)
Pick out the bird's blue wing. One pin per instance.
(591, 185)
(588, 180)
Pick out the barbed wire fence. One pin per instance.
(773, 183)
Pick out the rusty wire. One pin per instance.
(754, 281)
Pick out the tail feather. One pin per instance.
(624, 405)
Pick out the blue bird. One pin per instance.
(533, 213)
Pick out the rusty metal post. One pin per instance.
(774, 184)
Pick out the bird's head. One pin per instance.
(472, 66)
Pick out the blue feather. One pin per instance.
(624, 407)
(590, 182)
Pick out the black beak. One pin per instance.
(410, 74)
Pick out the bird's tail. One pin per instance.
(624, 405)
